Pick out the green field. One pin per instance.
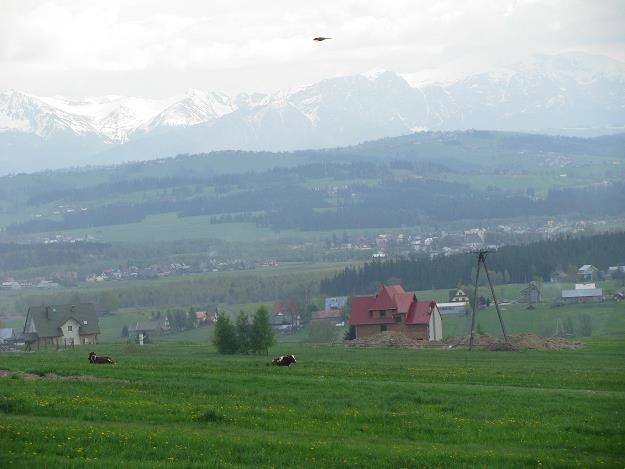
(165, 405)
(177, 403)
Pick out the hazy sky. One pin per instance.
(156, 48)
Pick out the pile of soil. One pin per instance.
(385, 339)
(517, 342)
(483, 342)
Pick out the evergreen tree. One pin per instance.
(225, 338)
(243, 333)
(125, 331)
(261, 337)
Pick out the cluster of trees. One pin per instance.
(517, 264)
(180, 320)
(243, 336)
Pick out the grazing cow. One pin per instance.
(93, 358)
(285, 360)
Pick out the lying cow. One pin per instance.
(93, 358)
(285, 360)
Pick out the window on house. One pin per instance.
(69, 328)
(383, 327)
(398, 318)
(370, 314)
(382, 314)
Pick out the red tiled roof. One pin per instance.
(420, 312)
(360, 311)
(384, 300)
(404, 301)
(326, 314)
(281, 306)
(390, 298)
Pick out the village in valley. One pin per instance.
(389, 309)
(343, 247)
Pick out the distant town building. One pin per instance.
(454, 307)
(204, 318)
(392, 309)
(583, 293)
(143, 331)
(61, 325)
(336, 302)
(587, 273)
(282, 322)
(615, 270)
(558, 276)
(7, 335)
(329, 315)
(458, 295)
(530, 294)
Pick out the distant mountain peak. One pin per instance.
(375, 73)
(571, 93)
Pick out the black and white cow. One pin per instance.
(94, 359)
(285, 360)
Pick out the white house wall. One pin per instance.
(435, 326)
(74, 334)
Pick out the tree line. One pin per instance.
(516, 264)
(242, 336)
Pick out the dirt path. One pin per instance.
(55, 377)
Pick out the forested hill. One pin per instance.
(516, 264)
(414, 180)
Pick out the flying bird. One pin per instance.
(321, 38)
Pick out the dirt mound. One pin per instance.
(55, 377)
(385, 339)
(483, 342)
(517, 342)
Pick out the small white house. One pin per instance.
(587, 273)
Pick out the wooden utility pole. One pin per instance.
(481, 261)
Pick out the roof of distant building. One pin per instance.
(326, 314)
(7, 333)
(390, 298)
(49, 319)
(582, 293)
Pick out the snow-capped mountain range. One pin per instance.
(569, 93)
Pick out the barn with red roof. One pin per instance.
(392, 309)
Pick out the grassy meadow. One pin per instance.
(170, 404)
(177, 403)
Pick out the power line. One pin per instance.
(481, 262)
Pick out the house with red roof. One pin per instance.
(392, 309)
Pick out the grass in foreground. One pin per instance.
(170, 404)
